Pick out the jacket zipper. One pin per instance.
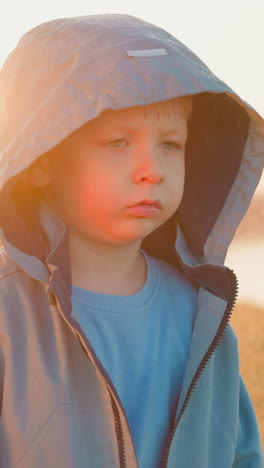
(119, 435)
(220, 332)
(117, 419)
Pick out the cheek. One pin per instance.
(176, 177)
(183, 173)
(87, 185)
(65, 187)
(177, 173)
(90, 193)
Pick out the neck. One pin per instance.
(108, 270)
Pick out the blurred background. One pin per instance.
(229, 37)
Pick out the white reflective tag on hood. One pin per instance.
(146, 53)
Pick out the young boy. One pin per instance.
(126, 168)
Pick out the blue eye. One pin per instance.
(116, 141)
(173, 145)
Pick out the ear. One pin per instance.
(38, 173)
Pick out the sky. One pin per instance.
(228, 35)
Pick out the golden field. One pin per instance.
(248, 316)
(248, 324)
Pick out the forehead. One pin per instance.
(173, 108)
(176, 110)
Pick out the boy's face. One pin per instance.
(116, 161)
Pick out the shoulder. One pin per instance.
(7, 264)
(177, 293)
(174, 281)
(10, 280)
(173, 274)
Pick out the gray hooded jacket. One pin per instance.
(58, 407)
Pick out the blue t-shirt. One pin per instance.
(143, 341)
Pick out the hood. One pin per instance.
(58, 78)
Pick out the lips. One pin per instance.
(150, 202)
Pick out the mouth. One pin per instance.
(148, 202)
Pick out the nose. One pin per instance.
(148, 166)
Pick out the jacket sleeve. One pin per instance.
(249, 453)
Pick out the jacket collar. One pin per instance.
(56, 272)
(58, 258)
